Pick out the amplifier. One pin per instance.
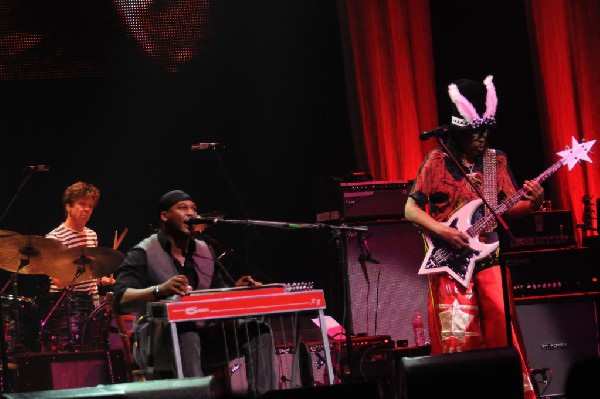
(545, 229)
(361, 346)
(552, 271)
(366, 200)
(358, 342)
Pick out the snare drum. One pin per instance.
(21, 324)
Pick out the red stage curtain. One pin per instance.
(394, 86)
(390, 50)
(565, 36)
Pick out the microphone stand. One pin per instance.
(224, 251)
(28, 172)
(504, 226)
(238, 196)
(340, 240)
(341, 247)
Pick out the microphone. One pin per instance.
(38, 168)
(201, 220)
(208, 146)
(437, 132)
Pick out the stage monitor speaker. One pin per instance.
(558, 332)
(182, 388)
(485, 373)
(363, 390)
(386, 290)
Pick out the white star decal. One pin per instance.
(577, 153)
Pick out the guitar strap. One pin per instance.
(490, 184)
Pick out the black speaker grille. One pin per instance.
(385, 296)
(558, 332)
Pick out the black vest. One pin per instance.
(161, 267)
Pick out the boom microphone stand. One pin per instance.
(217, 149)
(341, 247)
(28, 171)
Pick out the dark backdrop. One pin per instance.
(270, 86)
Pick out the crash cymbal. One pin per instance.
(31, 250)
(7, 233)
(91, 262)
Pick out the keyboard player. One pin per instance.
(173, 262)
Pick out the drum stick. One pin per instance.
(119, 240)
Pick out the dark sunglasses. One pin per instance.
(479, 134)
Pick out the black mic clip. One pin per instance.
(38, 168)
(208, 146)
(440, 131)
(365, 255)
(368, 258)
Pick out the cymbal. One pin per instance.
(7, 233)
(33, 250)
(91, 262)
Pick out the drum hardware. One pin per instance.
(24, 254)
(28, 171)
(67, 294)
(19, 324)
(20, 254)
(11, 281)
(77, 265)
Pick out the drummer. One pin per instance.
(79, 200)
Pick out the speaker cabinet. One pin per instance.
(486, 373)
(287, 368)
(558, 332)
(386, 291)
(37, 372)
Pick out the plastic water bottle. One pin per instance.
(418, 326)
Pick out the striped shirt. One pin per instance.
(72, 239)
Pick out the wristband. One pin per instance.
(156, 293)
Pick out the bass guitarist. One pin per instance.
(468, 317)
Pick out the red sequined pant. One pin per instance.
(462, 319)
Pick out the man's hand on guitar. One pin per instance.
(456, 239)
(534, 192)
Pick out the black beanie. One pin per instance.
(171, 198)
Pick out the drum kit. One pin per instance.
(44, 321)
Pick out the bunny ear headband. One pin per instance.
(470, 117)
